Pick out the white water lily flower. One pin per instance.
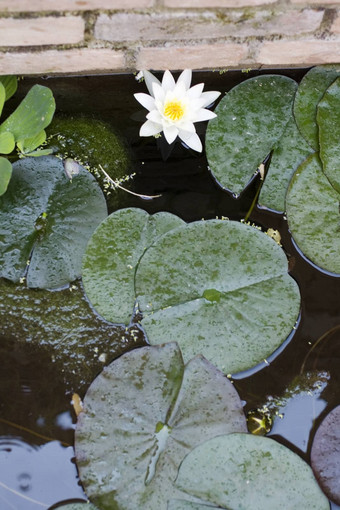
(174, 107)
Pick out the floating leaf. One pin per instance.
(162, 409)
(63, 323)
(10, 83)
(219, 288)
(328, 118)
(33, 114)
(7, 142)
(53, 226)
(181, 504)
(312, 206)
(246, 471)
(325, 455)
(75, 506)
(5, 175)
(310, 91)
(112, 256)
(30, 144)
(2, 97)
(288, 153)
(250, 120)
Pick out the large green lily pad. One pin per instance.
(325, 455)
(246, 471)
(289, 152)
(312, 206)
(310, 91)
(250, 120)
(113, 254)
(141, 416)
(47, 219)
(63, 323)
(328, 118)
(219, 288)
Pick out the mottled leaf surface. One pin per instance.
(312, 206)
(47, 219)
(246, 471)
(310, 91)
(141, 416)
(112, 256)
(289, 152)
(325, 455)
(328, 118)
(250, 120)
(219, 288)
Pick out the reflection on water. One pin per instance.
(36, 418)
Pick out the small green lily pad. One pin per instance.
(219, 288)
(141, 416)
(312, 206)
(250, 120)
(290, 151)
(47, 219)
(328, 118)
(325, 455)
(310, 91)
(113, 254)
(246, 471)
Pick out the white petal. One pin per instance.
(195, 91)
(170, 134)
(193, 142)
(149, 80)
(168, 82)
(210, 97)
(155, 116)
(150, 128)
(145, 100)
(186, 126)
(185, 78)
(158, 92)
(203, 114)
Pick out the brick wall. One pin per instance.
(87, 36)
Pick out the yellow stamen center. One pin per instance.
(173, 110)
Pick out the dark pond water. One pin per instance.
(37, 469)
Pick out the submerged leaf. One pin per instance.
(113, 254)
(310, 91)
(218, 288)
(47, 220)
(312, 206)
(325, 455)
(250, 120)
(328, 118)
(246, 471)
(162, 409)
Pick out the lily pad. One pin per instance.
(310, 91)
(74, 506)
(5, 174)
(181, 504)
(141, 416)
(325, 455)
(289, 152)
(219, 288)
(312, 206)
(47, 219)
(113, 254)
(250, 120)
(328, 118)
(63, 323)
(246, 471)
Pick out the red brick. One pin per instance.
(216, 3)
(194, 57)
(304, 53)
(71, 5)
(59, 62)
(40, 31)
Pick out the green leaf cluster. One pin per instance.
(25, 127)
